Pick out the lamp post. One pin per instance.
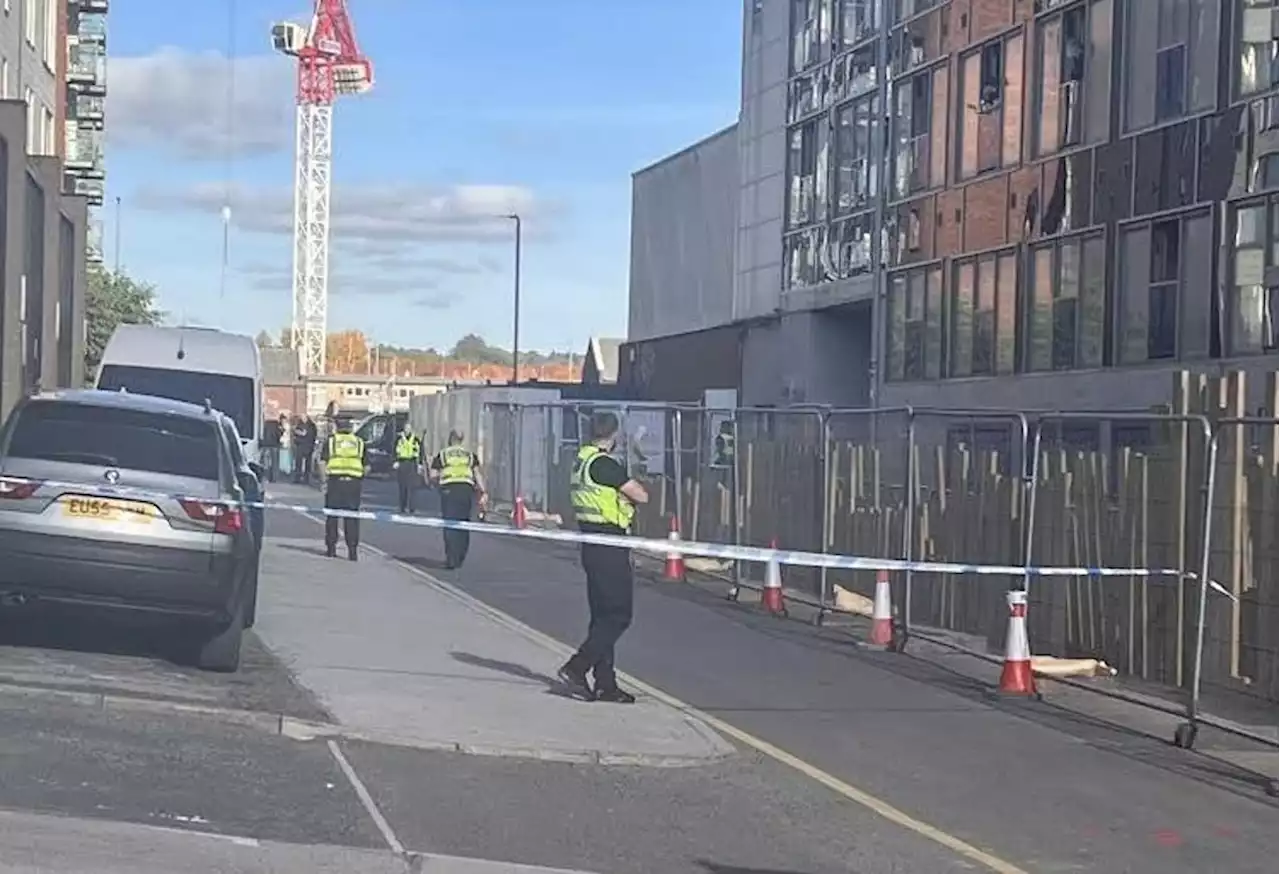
(515, 318)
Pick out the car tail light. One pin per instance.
(12, 488)
(226, 520)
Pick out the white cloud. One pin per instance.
(378, 218)
(177, 100)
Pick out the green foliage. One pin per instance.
(113, 299)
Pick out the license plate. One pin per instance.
(105, 510)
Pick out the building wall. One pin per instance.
(682, 230)
(679, 368)
(762, 160)
(32, 67)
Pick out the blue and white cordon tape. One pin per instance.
(657, 546)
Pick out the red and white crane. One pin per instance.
(330, 65)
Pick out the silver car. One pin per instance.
(127, 502)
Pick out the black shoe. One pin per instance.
(576, 680)
(615, 696)
(353, 553)
(331, 552)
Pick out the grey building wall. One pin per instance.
(33, 67)
(683, 220)
(42, 266)
(762, 159)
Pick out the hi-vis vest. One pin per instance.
(346, 456)
(592, 502)
(724, 450)
(456, 466)
(407, 447)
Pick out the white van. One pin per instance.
(193, 365)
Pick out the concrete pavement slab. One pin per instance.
(396, 659)
(41, 844)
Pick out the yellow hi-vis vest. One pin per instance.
(455, 466)
(593, 503)
(407, 447)
(346, 456)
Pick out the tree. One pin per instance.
(113, 299)
(347, 352)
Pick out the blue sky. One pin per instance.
(479, 106)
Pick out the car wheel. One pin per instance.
(221, 652)
(251, 601)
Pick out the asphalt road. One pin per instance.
(1038, 786)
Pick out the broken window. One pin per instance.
(806, 33)
(904, 9)
(858, 20)
(856, 177)
(1258, 65)
(991, 116)
(800, 265)
(1068, 82)
(802, 169)
(912, 123)
(991, 78)
(852, 241)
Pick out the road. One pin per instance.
(394, 717)
(1040, 786)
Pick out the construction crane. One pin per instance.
(330, 65)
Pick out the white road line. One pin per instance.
(848, 791)
(366, 799)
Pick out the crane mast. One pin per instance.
(330, 65)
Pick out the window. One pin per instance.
(1073, 78)
(806, 158)
(49, 25)
(49, 147)
(1171, 63)
(1165, 286)
(904, 9)
(800, 259)
(856, 179)
(1255, 300)
(914, 325)
(919, 157)
(991, 115)
(32, 120)
(29, 20)
(4, 78)
(232, 395)
(858, 21)
(984, 316)
(1067, 305)
(810, 30)
(1258, 64)
(126, 439)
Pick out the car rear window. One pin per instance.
(127, 439)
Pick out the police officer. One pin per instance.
(408, 458)
(456, 470)
(344, 459)
(604, 499)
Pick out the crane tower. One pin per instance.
(329, 65)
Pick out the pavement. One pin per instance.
(1035, 786)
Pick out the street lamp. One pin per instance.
(515, 319)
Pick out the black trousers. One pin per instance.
(610, 598)
(407, 483)
(342, 493)
(457, 501)
(302, 463)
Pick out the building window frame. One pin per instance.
(1066, 303)
(1153, 316)
(989, 105)
(905, 10)
(914, 349)
(804, 172)
(1184, 55)
(1248, 21)
(912, 167)
(810, 30)
(862, 17)
(855, 181)
(1073, 86)
(1254, 260)
(982, 314)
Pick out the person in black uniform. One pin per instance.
(344, 464)
(408, 467)
(456, 470)
(604, 497)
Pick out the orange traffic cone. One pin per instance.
(518, 518)
(882, 612)
(771, 595)
(1017, 677)
(674, 568)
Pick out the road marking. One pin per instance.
(865, 799)
(366, 799)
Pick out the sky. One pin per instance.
(480, 108)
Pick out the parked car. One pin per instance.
(250, 475)
(379, 433)
(115, 501)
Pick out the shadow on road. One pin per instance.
(38, 626)
(717, 868)
(511, 669)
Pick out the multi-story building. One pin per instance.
(83, 100)
(976, 203)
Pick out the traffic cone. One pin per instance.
(674, 568)
(882, 612)
(1017, 678)
(518, 518)
(771, 595)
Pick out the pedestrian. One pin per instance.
(408, 461)
(604, 497)
(269, 454)
(456, 470)
(344, 460)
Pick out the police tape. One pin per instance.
(765, 555)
